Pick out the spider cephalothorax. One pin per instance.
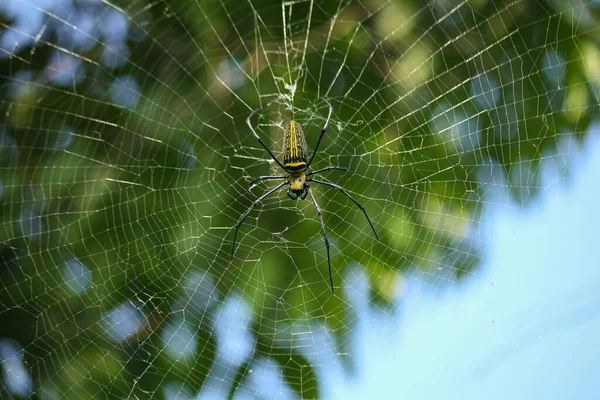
(297, 182)
(295, 163)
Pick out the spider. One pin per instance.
(296, 166)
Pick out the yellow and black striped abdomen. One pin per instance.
(294, 148)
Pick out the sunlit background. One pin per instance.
(473, 131)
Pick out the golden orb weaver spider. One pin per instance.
(295, 164)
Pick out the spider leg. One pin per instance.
(260, 140)
(330, 169)
(245, 215)
(263, 178)
(322, 132)
(304, 195)
(324, 234)
(341, 189)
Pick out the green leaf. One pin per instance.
(240, 376)
(300, 374)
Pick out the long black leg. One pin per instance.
(260, 140)
(341, 189)
(264, 178)
(324, 234)
(322, 133)
(241, 221)
(330, 169)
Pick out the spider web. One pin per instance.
(124, 161)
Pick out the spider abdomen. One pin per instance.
(295, 150)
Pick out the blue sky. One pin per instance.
(525, 326)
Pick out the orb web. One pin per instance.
(125, 156)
